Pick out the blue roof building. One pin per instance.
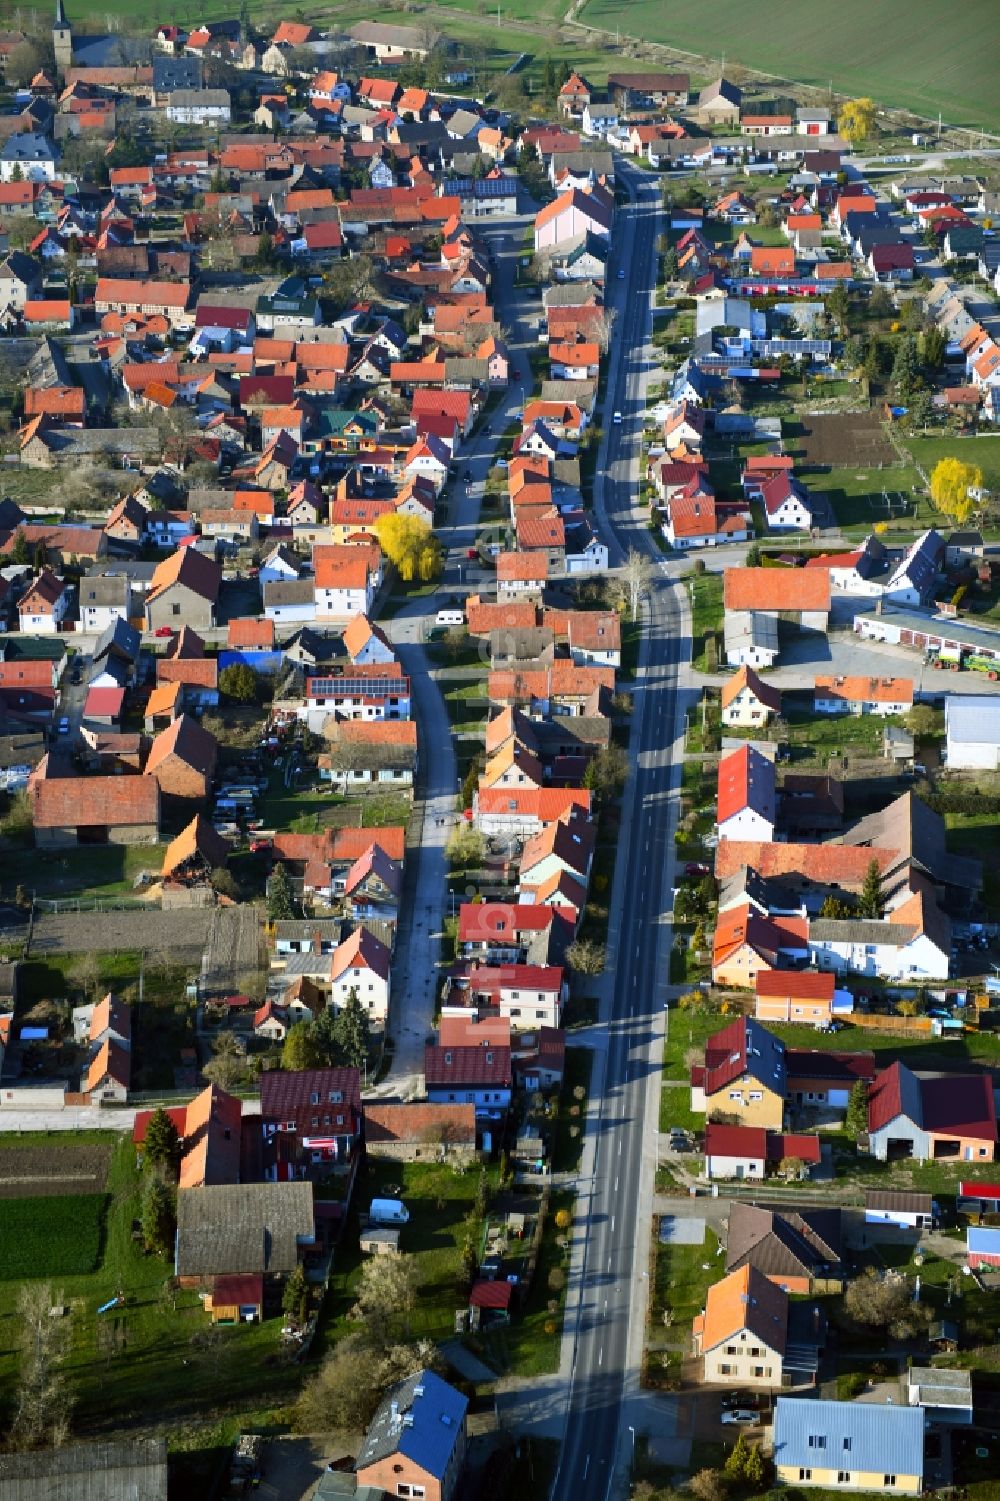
(858, 1446)
(416, 1442)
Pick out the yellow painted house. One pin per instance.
(849, 1446)
(742, 1080)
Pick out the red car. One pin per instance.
(164, 630)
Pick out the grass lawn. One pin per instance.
(706, 618)
(856, 497)
(153, 1359)
(675, 1110)
(85, 874)
(972, 450)
(530, 1345)
(819, 736)
(307, 811)
(51, 1237)
(681, 1282)
(441, 1201)
(913, 67)
(691, 1029)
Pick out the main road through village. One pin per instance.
(612, 1290)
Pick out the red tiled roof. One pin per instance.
(779, 589)
(797, 984)
(466, 1067)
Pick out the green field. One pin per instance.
(982, 451)
(904, 58)
(51, 1237)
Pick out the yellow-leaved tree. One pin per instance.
(410, 546)
(856, 120)
(951, 482)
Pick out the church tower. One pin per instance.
(62, 40)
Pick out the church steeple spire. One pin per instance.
(62, 39)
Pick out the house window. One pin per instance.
(736, 1094)
(843, 1477)
(758, 1371)
(175, 609)
(730, 1349)
(314, 1098)
(805, 1474)
(724, 1368)
(888, 1480)
(756, 1094)
(336, 1096)
(817, 1440)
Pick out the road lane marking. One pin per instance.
(600, 1356)
(616, 1183)
(612, 1224)
(586, 1466)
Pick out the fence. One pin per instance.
(894, 1026)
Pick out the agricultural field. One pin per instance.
(55, 1236)
(35, 1172)
(918, 66)
(824, 439)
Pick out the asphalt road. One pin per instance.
(612, 1294)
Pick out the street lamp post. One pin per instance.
(631, 1477)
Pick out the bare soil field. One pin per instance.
(840, 440)
(35, 1172)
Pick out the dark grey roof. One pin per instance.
(877, 1198)
(289, 592)
(171, 73)
(860, 930)
(118, 639)
(243, 1227)
(123, 1470)
(104, 589)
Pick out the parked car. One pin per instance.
(740, 1399)
(617, 418)
(695, 868)
(621, 274)
(63, 726)
(164, 630)
(740, 1415)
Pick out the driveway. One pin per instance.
(681, 1232)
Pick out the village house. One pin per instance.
(747, 700)
(851, 1446)
(416, 1442)
(742, 1081)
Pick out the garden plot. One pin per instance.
(835, 440)
(47, 1171)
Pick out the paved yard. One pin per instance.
(681, 1232)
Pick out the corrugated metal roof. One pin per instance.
(853, 1436)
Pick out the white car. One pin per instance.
(500, 464)
(617, 418)
(740, 1415)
